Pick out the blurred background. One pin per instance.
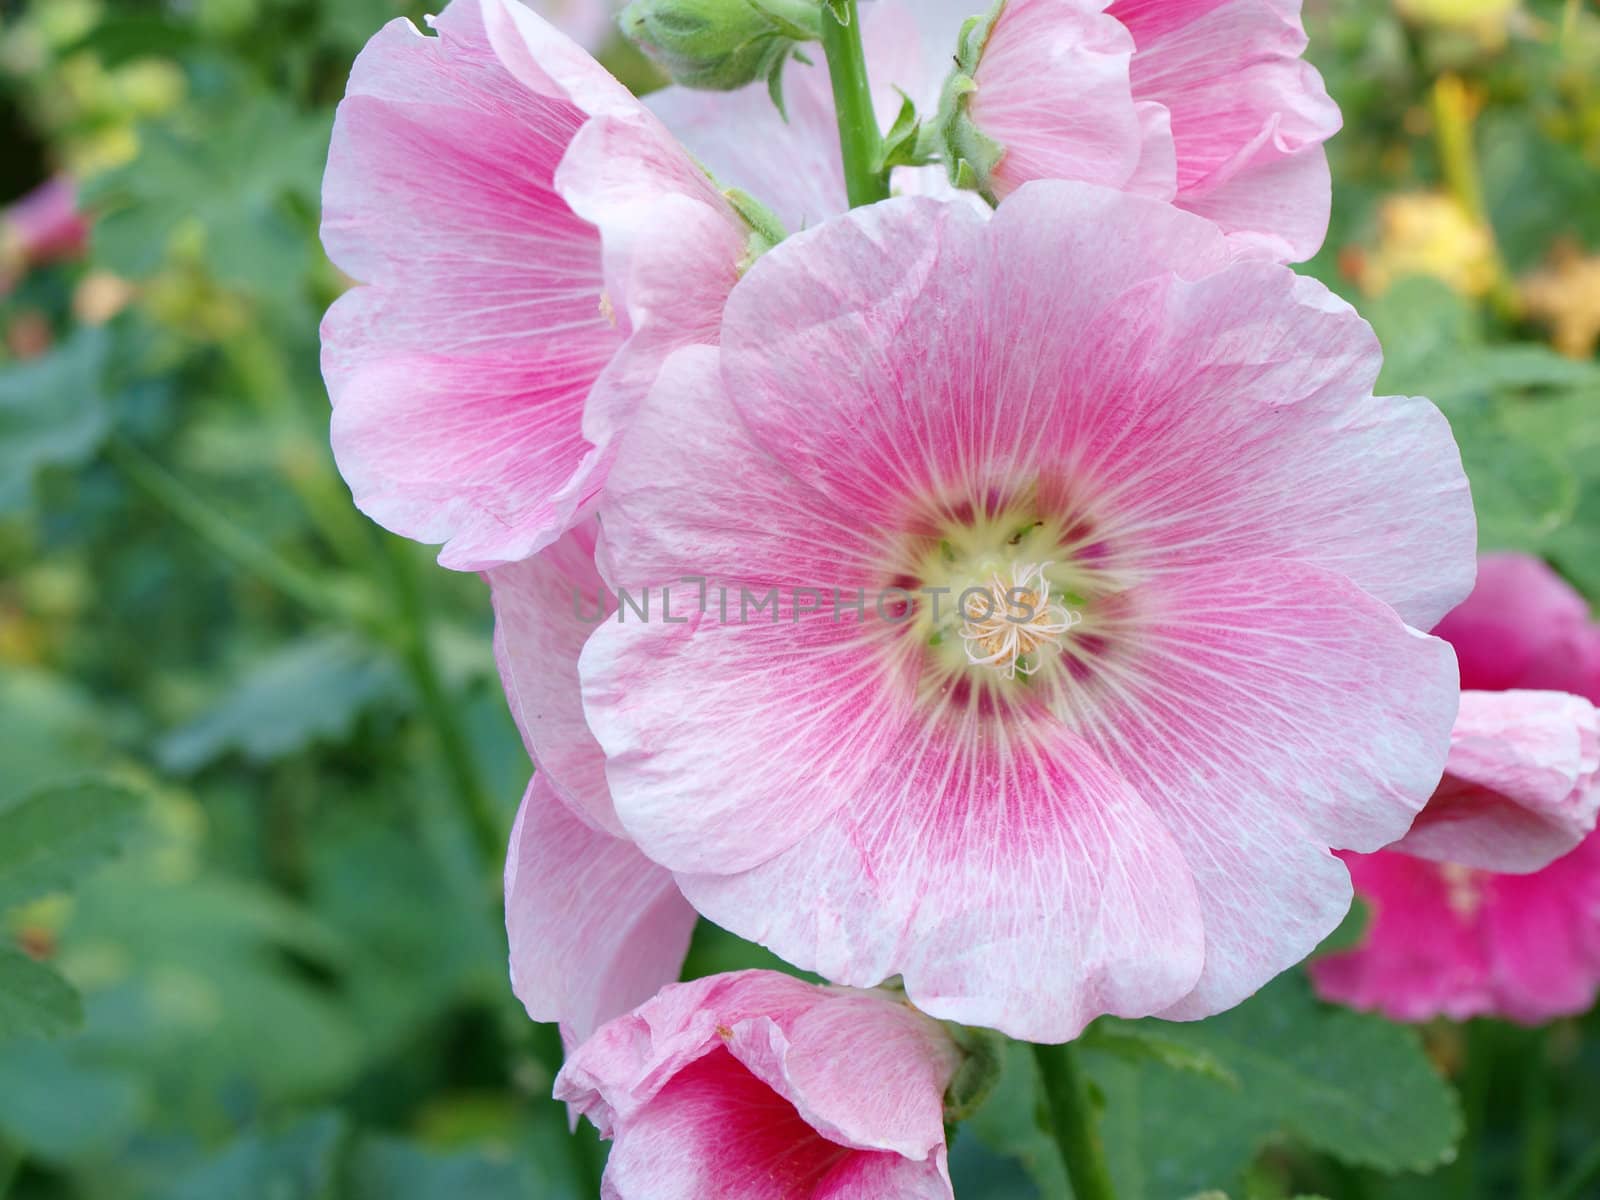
(255, 769)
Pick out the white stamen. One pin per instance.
(1005, 629)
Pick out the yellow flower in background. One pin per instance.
(1566, 296)
(1429, 233)
(1488, 20)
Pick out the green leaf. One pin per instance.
(307, 691)
(300, 1163)
(1145, 1042)
(224, 189)
(53, 412)
(34, 1000)
(59, 1108)
(390, 1169)
(1350, 1085)
(52, 836)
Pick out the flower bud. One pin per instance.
(721, 45)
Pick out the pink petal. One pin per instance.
(1013, 887)
(46, 224)
(1053, 90)
(590, 23)
(791, 166)
(716, 1132)
(594, 927)
(1544, 934)
(1249, 115)
(459, 374)
(1220, 712)
(759, 1085)
(545, 608)
(1449, 941)
(674, 250)
(1520, 617)
(1521, 788)
(1421, 957)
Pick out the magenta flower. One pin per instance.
(1220, 537)
(523, 279)
(595, 928)
(42, 227)
(1452, 933)
(760, 1086)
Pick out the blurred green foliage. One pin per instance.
(257, 773)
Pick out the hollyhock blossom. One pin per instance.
(531, 240)
(763, 1087)
(595, 928)
(1220, 537)
(1452, 932)
(1207, 103)
(41, 227)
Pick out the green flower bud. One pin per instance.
(721, 45)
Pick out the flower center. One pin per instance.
(1010, 625)
(1463, 890)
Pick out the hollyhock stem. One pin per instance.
(488, 831)
(1074, 1123)
(860, 139)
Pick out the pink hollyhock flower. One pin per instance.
(1450, 941)
(1520, 786)
(1221, 538)
(1453, 933)
(1207, 103)
(532, 241)
(42, 227)
(46, 224)
(760, 1086)
(1249, 115)
(595, 928)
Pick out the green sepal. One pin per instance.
(766, 230)
(982, 1062)
(904, 145)
(722, 45)
(970, 156)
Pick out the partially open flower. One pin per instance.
(763, 1087)
(1453, 932)
(1129, 809)
(1207, 103)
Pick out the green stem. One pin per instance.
(417, 645)
(219, 533)
(1538, 1119)
(1074, 1123)
(1458, 157)
(1477, 1080)
(860, 139)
